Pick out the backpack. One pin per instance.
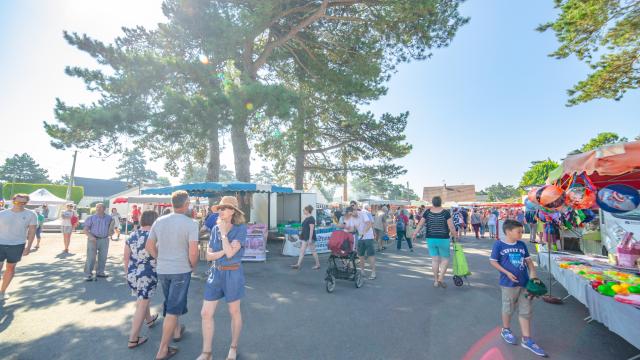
(400, 225)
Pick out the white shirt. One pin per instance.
(364, 219)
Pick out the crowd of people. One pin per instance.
(163, 251)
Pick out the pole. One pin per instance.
(71, 177)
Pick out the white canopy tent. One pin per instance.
(43, 196)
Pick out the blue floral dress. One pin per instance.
(141, 274)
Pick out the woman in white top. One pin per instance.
(116, 222)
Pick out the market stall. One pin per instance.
(586, 279)
(607, 178)
(258, 198)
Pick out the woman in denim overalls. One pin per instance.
(226, 280)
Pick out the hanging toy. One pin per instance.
(550, 196)
(531, 196)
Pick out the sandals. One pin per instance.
(295, 267)
(204, 356)
(235, 349)
(152, 323)
(442, 284)
(182, 329)
(171, 351)
(137, 342)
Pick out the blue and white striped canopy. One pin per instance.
(215, 188)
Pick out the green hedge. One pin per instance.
(77, 192)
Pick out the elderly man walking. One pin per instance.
(173, 241)
(98, 228)
(17, 226)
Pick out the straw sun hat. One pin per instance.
(228, 201)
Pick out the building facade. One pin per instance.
(450, 193)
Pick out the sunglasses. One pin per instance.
(223, 207)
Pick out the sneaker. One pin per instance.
(102, 275)
(507, 335)
(373, 276)
(89, 278)
(529, 344)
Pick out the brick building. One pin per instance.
(450, 193)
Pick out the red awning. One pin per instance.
(120, 200)
(613, 164)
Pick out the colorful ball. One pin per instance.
(532, 195)
(550, 196)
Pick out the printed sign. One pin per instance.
(256, 244)
(292, 241)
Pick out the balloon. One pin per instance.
(550, 196)
(580, 197)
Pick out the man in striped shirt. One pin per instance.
(98, 228)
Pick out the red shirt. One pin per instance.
(135, 214)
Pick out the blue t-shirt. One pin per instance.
(237, 232)
(512, 258)
(211, 220)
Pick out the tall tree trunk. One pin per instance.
(213, 166)
(242, 160)
(300, 154)
(241, 150)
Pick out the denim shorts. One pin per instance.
(11, 253)
(227, 284)
(439, 247)
(175, 288)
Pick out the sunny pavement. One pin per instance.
(52, 313)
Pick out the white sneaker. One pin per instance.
(373, 276)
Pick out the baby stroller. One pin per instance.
(460, 266)
(342, 261)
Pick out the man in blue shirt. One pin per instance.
(98, 228)
(511, 258)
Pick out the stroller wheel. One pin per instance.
(331, 284)
(457, 280)
(358, 279)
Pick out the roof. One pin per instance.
(43, 196)
(100, 187)
(612, 164)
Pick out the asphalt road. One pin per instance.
(52, 313)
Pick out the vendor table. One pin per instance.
(620, 318)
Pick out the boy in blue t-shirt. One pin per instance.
(511, 258)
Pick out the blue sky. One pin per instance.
(481, 109)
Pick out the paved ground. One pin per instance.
(52, 313)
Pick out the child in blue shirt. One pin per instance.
(511, 258)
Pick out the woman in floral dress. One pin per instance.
(140, 268)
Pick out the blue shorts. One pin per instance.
(227, 284)
(439, 247)
(175, 288)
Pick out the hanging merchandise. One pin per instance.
(550, 196)
(618, 198)
(531, 196)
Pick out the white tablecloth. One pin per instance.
(622, 319)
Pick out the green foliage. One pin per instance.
(607, 30)
(23, 168)
(163, 181)
(329, 192)
(133, 168)
(77, 192)
(499, 192)
(194, 174)
(602, 139)
(384, 188)
(220, 65)
(538, 173)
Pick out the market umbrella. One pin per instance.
(120, 200)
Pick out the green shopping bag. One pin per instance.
(460, 266)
